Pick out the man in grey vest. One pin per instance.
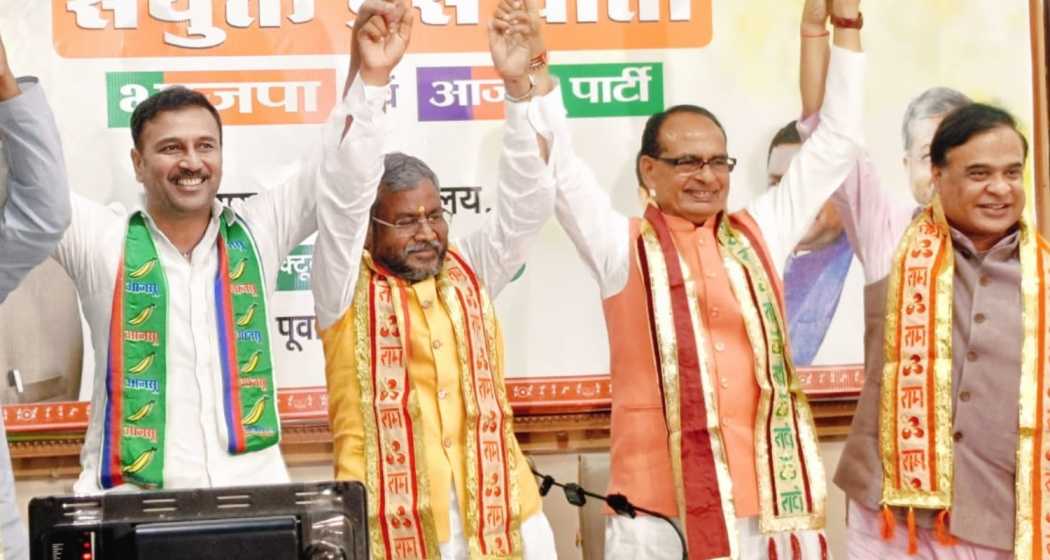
(34, 217)
(941, 459)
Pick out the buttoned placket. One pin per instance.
(193, 280)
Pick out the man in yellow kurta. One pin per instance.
(414, 356)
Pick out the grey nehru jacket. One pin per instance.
(35, 216)
(986, 374)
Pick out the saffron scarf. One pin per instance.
(915, 421)
(400, 512)
(136, 371)
(790, 475)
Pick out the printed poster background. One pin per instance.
(739, 59)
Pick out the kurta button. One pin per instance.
(427, 303)
(971, 356)
(725, 383)
(957, 436)
(436, 344)
(984, 281)
(964, 396)
(720, 346)
(447, 443)
(442, 394)
(978, 318)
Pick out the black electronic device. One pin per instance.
(314, 521)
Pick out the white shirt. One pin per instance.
(601, 234)
(194, 453)
(495, 251)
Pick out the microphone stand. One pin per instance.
(577, 496)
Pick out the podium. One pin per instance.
(314, 521)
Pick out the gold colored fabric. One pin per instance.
(789, 443)
(909, 286)
(439, 399)
(915, 424)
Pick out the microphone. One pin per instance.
(577, 496)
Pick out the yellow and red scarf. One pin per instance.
(790, 474)
(915, 422)
(400, 512)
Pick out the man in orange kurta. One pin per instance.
(709, 426)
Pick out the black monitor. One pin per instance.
(316, 521)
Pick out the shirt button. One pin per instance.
(971, 356)
(719, 346)
(964, 396)
(447, 443)
(725, 383)
(427, 303)
(957, 436)
(442, 394)
(714, 312)
(984, 281)
(436, 344)
(978, 318)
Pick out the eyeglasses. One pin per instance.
(412, 225)
(687, 165)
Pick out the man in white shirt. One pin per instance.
(35, 214)
(184, 395)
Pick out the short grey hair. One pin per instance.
(933, 102)
(403, 172)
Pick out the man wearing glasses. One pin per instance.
(694, 314)
(414, 357)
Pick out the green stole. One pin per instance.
(136, 371)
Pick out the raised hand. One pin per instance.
(8, 84)
(382, 40)
(509, 45)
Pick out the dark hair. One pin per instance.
(787, 135)
(174, 98)
(651, 135)
(962, 124)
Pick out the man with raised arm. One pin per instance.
(35, 215)
(709, 424)
(177, 294)
(415, 363)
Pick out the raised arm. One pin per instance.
(37, 210)
(873, 218)
(813, 62)
(287, 214)
(827, 158)
(351, 177)
(583, 208)
(525, 187)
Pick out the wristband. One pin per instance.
(538, 61)
(848, 23)
(526, 96)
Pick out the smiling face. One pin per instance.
(179, 163)
(414, 247)
(694, 196)
(982, 185)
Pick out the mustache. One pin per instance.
(420, 246)
(190, 175)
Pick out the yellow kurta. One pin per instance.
(433, 369)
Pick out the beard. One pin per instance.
(398, 264)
